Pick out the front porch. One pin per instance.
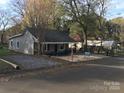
(56, 49)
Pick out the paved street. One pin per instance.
(86, 78)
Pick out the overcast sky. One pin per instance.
(116, 8)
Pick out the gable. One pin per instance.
(23, 36)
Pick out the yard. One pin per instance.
(33, 62)
(4, 67)
(4, 51)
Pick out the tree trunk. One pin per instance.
(85, 40)
(2, 38)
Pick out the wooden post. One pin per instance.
(72, 54)
(42, 48)
(39, 48)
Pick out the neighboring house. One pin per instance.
(55, 42)
(98, 43)
(109, 44)
(106, 44)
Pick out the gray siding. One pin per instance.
(25, 43)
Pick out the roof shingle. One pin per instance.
(51, 35)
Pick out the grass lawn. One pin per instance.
(4, 67)
(5, 51)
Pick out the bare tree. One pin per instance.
(18, 6)
(4, 20)
(36, 14)
(99, 8)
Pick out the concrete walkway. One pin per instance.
(83, 58)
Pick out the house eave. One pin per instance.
(15, 36)
(57, 42)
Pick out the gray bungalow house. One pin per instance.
(55, 42)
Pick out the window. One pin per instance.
(18, 44)
(11, 43)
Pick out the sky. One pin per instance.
(4, 4)
(115, 9)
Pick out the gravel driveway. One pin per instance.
(31, 62)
